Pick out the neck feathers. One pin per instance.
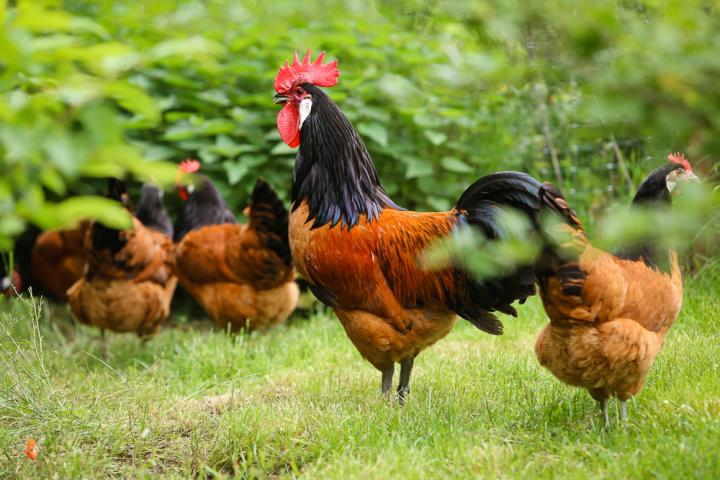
(652, 193)
(333, 170)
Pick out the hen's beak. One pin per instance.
(691, 176)
(280, 98)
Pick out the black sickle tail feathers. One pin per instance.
(481, 206)
(269, 217)
(482, 202)
(560, 257)
(553, 200)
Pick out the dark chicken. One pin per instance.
(609, 314)
(129, 280)
(151, 211)
(358, 250)
(241, 275)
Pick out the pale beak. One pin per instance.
(690, 176)
(280, 98)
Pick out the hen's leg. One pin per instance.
(404, 385)
(623, 411)
(387, 376)
(605, 404)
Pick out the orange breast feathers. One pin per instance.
(357, 268)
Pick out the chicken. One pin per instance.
(129, 281)
(609, 314)
(58, 260)
(241, 275)
(358, 250)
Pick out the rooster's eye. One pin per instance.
(299, 91)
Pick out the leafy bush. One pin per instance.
(588, 94)
(65, 107)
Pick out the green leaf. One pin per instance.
(226, 146)
(110, 59)
(398, 88)
(455, 165)
(436, 138)
(185, 48)
(52, 180)
(281, 148)
(238, 169)
(11, 224)
(375, 131)
(417, 167)
(181, 131)
(134, 99)
(72, 210)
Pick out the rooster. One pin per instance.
(609, 314)
(358, 249)
(241, 275)
(129, 280)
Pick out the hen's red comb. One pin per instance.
(680, 159)
(189, 165)
(300, 72)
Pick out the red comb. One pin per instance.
(680, 159)
(315, 73)
(190, 165)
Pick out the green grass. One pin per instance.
(299, 401)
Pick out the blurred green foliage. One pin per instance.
(591, 95)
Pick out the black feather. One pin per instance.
(106, 238)
(652, 191)
(204, 207)
(555, 261)
(151, 210)
(481, 205)
(269, 217)
(333, 169)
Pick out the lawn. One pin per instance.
(299, 401)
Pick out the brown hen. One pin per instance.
(241, 275)
(129, 281)
(609, 314)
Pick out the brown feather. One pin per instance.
(58, 260)
(390, 308)
(606, 337)
(235, 278)
(130, 290)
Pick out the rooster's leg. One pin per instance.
(387, 376)
(404, 385)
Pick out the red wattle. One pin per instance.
(288, 124)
